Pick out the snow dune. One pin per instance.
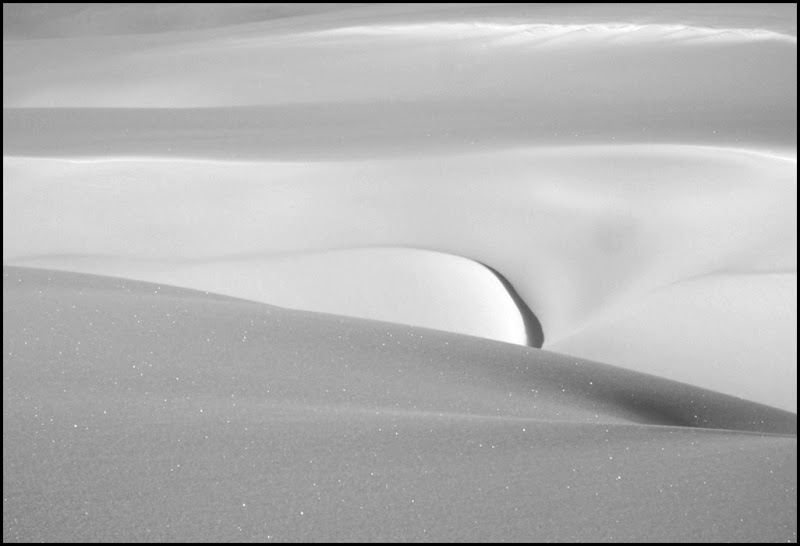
(615, 223)
(142, 412)
(646, 78)
(402, 285)
(615, 183)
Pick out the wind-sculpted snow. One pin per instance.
(581, 233)
(243, 243)
(544, 33)
(168, 414)
(403, 285)
(606, 68)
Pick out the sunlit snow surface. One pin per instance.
(616, 182)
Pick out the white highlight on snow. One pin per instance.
(542, 31)
(403, 285)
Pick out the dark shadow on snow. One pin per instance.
(534, 335)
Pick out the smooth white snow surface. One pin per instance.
(365, 160)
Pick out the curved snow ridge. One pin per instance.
(409, 286)
(522, 32)
(582, 233)
(219, 342)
